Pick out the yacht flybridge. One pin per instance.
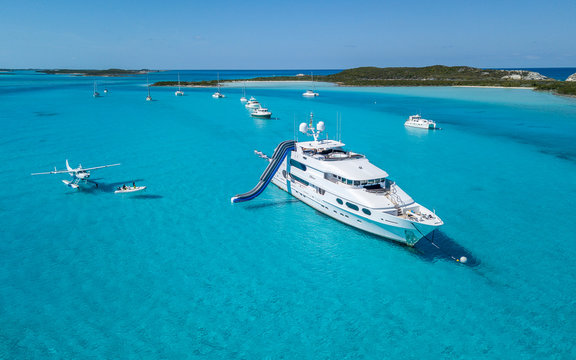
(345, 186)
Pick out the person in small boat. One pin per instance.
(124, 187)
(134, 184)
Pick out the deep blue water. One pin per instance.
(179, 272)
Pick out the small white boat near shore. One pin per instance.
(311, 93)
(417, 121)
(218, 94)
(179, 92)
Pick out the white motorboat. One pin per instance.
(179, 92)
(418, 122)
(261, 113)
(310, 93)
(252, 104)
(345, 186)
(218, 94)
(129, 189)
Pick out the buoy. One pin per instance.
(463, 259)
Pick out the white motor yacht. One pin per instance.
(261, 113)
(418, 122)
(310, 93)
(345, 186)
(252, 104)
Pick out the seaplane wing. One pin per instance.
(100, 167)
(52, 172)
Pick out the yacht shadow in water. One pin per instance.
(271, 204)
(446, 249)
(101, 187)
(435, 246)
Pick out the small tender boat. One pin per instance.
(130, 189)
(418, 122)
(261, 113)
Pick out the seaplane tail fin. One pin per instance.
(68, 166)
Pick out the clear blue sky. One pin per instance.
(286, 34)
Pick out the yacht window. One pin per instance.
(357, 182)
(300, 180)
(352, 206)
(371, 181)
(366, 211)
(340, 201)
(297, 164)
(349, 182)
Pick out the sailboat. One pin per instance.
(179, 92)
(96, 93)
(218, 94)
(148, 98)
(243, 98)
(311, 93)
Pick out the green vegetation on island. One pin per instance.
(108, 72)
(437, 75)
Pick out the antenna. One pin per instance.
(294, 129)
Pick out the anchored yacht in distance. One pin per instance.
(417, 122)
(345, 186)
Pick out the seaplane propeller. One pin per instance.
(78, 174)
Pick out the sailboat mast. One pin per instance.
(148, 85)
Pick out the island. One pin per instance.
(437, 75)
(108, 72)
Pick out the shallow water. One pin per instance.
(179, 272)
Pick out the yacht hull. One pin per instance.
(390, 227)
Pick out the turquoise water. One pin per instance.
(179, 272)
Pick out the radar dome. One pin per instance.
(303, 128)
(320, 126)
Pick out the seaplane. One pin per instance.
(78, 174)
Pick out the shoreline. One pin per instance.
(235, 84)
(495, 87)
